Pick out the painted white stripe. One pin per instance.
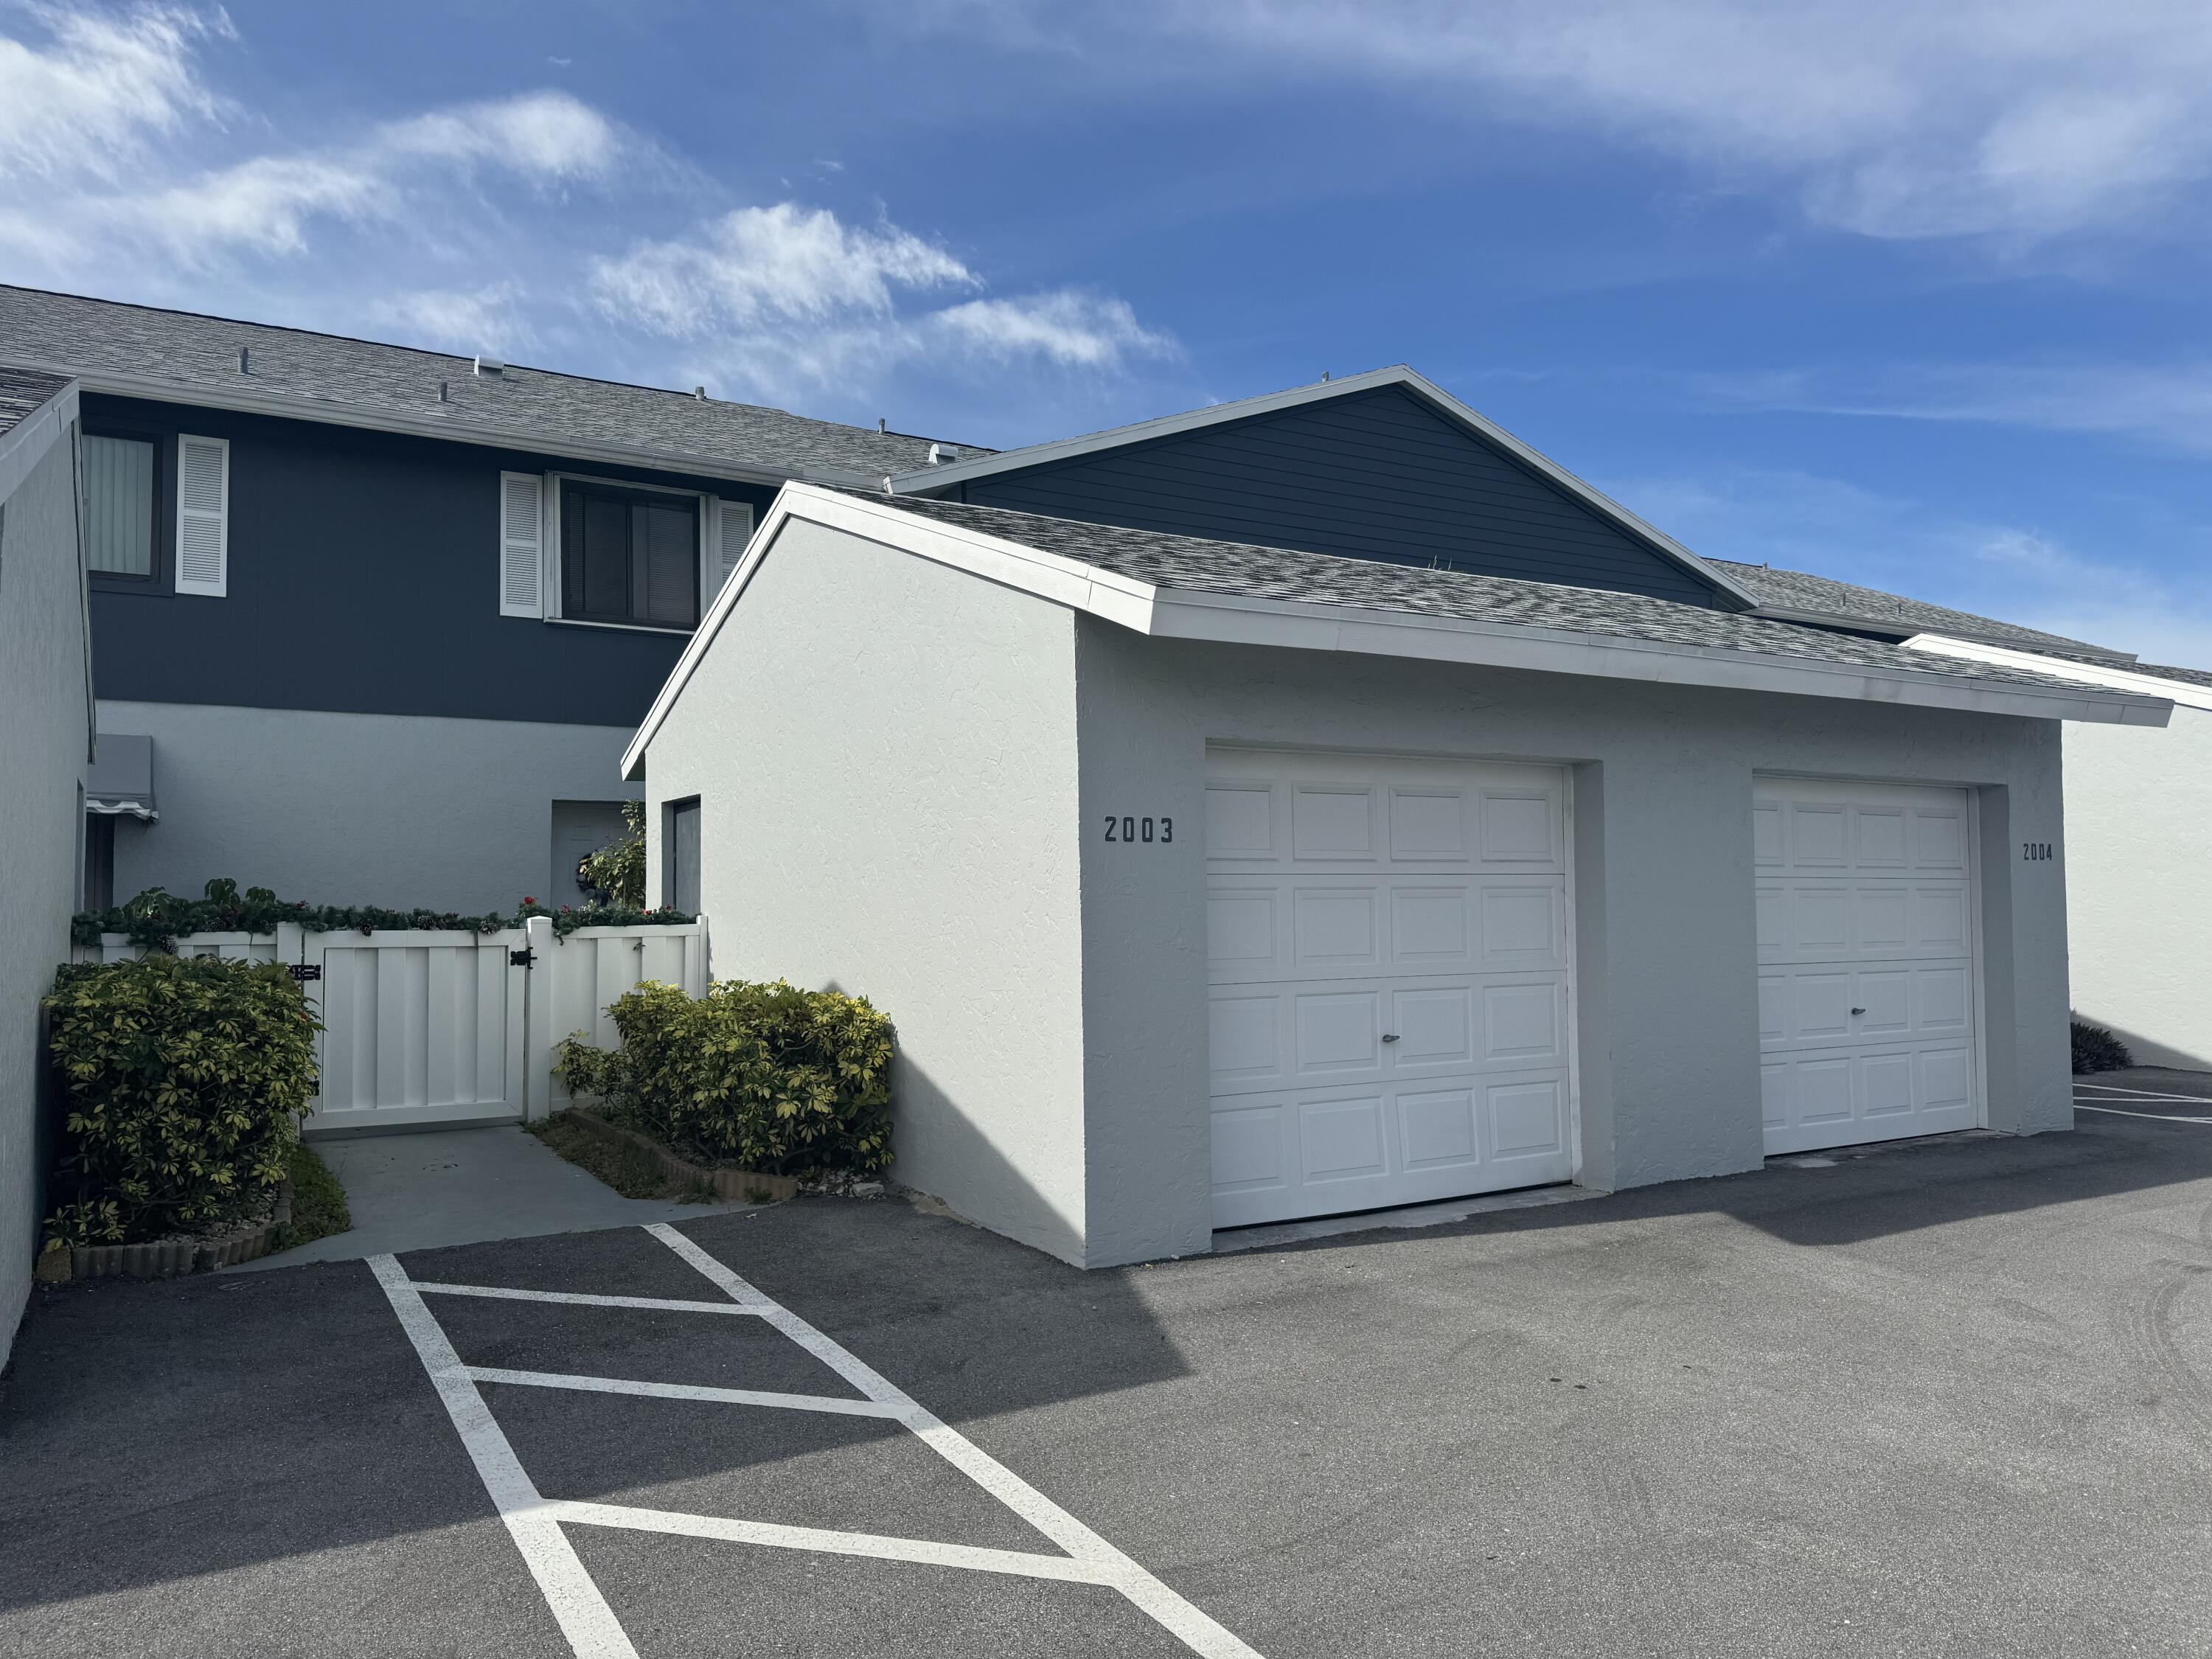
(502, 1294)
(1016, 1562)
(2142, 1093)
(2148, 1117)
(797, 1402)
(1192, 1627)
(583, 1613)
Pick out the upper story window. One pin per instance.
(120, 480)
(629, 555)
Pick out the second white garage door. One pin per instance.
(1387, 944)
(1866, 961)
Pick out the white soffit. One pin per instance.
(930, 479)
(2112, 676)
(1186, 613)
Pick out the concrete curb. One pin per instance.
(165, 1258)
(739, 1186)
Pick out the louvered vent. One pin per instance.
(203, 514)
(737, 529)
(522, 543)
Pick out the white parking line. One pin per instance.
(795, 1402)
(666, 1303)
(2150, 1117)
(535, 1522)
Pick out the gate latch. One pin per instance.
(521, 958)
(304, 971)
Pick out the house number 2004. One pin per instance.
(2035, 852)
(1139, 829)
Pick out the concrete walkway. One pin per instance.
(423, 1192)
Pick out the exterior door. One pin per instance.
(1387, 944)
(1866, 963)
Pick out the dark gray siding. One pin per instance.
(363, 579)
(1373, 475)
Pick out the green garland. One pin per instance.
(155, 918)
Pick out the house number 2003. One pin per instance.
(1139, 829)
(2035, 852)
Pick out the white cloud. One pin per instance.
(2015, 119)
(774, 301)
(102, 86)
(2165, 406)
(463, 321)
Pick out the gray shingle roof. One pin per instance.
(65, 331)
(22, 391)
(1798, 590)
(2186, 675)
(1274, 573)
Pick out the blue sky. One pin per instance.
(1912, 295)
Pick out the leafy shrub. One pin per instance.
(619, 867)
(765, 1077)
(154, 918)
(185, 1084)
(2096, 1049)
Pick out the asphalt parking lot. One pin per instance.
(1946, 1398)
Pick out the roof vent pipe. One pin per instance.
(442, 397)
(241, 361)
(700, 392)
(1324, 377)
(881, 425)
(936, 456)
(490, 365)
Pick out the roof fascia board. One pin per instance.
(2114, 677)
(1047, 575)
(929, 479)
(1188, 614)
(247, 401)
(24, 444)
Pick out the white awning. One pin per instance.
(121, 783)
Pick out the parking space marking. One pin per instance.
(668, 1304)
(2148, 1117)
(535, 1522)
(582, 1613)
(794, 1402)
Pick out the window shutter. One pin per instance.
(522, 543)
(202, 515)
(733, 526)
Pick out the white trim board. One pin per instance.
(2116, 676)
(25, 444)
(929, 480)
(1180, 613)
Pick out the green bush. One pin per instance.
(764, 1077)
(2096, 1049)
(618, 868)
(156, 918)
(185, 1081)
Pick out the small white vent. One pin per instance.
(733, 528)
(490, 365)
(522, 543)
(202, 515)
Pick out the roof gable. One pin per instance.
(1382, 467)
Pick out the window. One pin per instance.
(679, 855)
(119, 482)
(629, 555)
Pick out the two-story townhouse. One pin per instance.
(371, 624)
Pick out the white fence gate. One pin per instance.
(446, 1029)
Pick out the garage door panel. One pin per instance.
(1350, 899)
(1866, 972)
(1335, 929)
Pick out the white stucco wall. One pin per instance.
(357, 809)
(899, 767)
(1667, 1008)
(884, 753)
(45, 736)
(2139, 839)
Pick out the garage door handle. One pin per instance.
(1389, 1036)
(1858, 1010)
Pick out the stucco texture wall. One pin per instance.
(1667, 1020)
(44, 739)
(2139, 877)
(884, 753)
(357, 809)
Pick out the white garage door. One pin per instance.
(1866, 962)
(1387, 954)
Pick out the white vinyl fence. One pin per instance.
(425, 1029)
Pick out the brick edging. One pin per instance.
(739, 1185)
(165, 1258)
